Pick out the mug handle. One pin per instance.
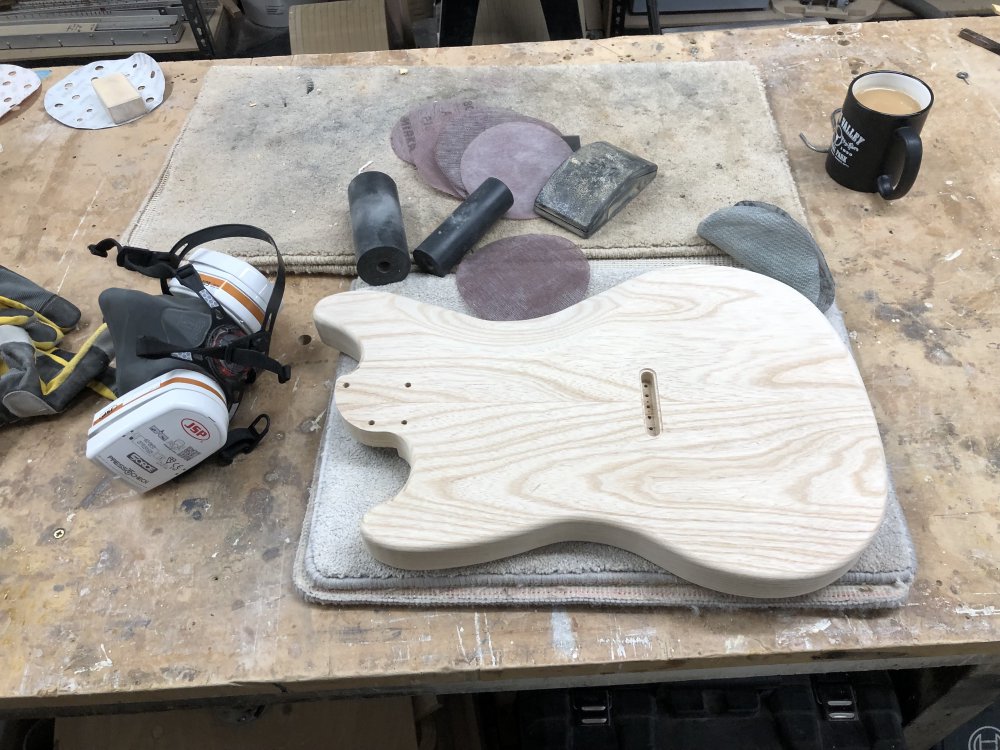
(913, 152)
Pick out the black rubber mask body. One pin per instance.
(182, 321)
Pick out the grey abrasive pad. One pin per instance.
(765, 239)
(262, 146)
(528, 276)
(333, 565)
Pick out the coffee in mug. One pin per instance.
(888, 101)
(876, 142)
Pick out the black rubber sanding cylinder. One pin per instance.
(446, 245)
(377, 224)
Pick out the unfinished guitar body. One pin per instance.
(706, 418)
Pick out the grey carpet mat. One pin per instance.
(277, 146)
(333, 566)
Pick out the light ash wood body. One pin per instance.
(767, 476)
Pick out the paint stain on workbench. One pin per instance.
(109, 558)
(913, 323)
(14, 487)
(985, 561)
(196, 507)
(179, 674)
(988, 449)
(128, 629)
(939, 436)
(258, 506)
(94, 497)
(283, 473)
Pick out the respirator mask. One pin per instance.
(185, 357)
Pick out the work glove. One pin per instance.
(37, 377)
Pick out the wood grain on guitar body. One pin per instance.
(708, 419)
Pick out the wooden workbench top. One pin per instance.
(187, 591)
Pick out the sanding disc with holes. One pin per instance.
(522, 155)
(516, 278)
(462, 130)
(73, 101)
(414, 136)
(16, 85)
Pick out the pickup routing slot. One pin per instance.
(650, 402)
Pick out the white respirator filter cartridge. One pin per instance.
(160, 429)
(241, 289)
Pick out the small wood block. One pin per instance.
(119, 97)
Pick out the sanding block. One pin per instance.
(120, 97)
(591, 186)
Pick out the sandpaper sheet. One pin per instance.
(460, 131)
(421, 126)
(521, 155)
(277, 147)
(528, 276)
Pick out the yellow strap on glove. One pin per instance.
(37, 378)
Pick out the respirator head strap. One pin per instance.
(252, 352)
(188, 277)
(243, 439)
(156, 265)
(190, 242)
(247, 351)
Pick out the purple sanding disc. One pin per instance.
(430, 172)
(516, 278)
(521, 155)
(414, 136)
(413, 126)
(461, 130)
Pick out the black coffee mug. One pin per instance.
(876, 143)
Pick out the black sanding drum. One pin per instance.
(591, 186)
(446, 245)
(377, 225)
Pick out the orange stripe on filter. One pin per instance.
(236, 293)
(189, 381)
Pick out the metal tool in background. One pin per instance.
(980, 41)
(75, 32)
(79, 23)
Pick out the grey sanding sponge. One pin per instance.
(591, 186)
(766, 239)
